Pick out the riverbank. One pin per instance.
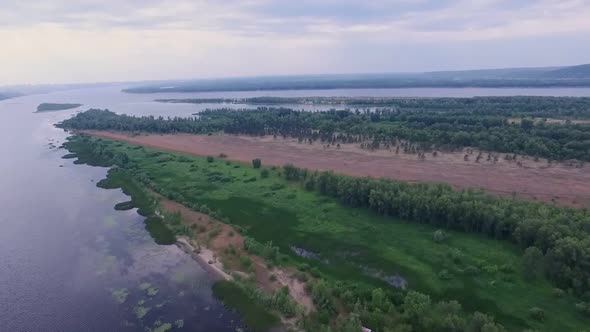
(556, 183)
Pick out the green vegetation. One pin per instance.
(49, 107)
(412, 125)
(366, 252)
(255, 316)
(120, 295)
(120, 178)
(123, 206)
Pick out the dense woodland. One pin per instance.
(516, 125)
(550, 107)
(562, 235)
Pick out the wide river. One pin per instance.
(70, 262)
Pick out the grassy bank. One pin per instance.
(119, 178)
(336, 243)
(255, 316)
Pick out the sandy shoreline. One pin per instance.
(203, 257)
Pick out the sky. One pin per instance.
(68, 41)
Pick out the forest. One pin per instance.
(550, 107)
(561, 235)
(552, 128)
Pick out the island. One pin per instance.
(52, 107)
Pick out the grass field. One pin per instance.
(356, 245)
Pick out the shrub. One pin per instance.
(315, 272)
(537, 314)
(505, 268)
(532, 263)
(277, 186)
(251, 179)
(491, 269)
(272, 277)
(445, 275)
(439, 236)
(222, 155)
(264, 173)
(583, 308)
(256, 163)
(245, 261)
(558, 292)
(210, 159)
(301, 276)
(214, 232)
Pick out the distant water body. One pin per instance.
(70, 262)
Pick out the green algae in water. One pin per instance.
(141, 302)
(179, 277)
(144, 286)
(179, 323)
(152, 291)
(141, 311)
(120, 295)
(163, 328)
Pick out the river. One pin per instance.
(70, 262)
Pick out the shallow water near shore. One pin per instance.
(69, 261)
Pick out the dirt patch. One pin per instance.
(214, 253)
(557, 183)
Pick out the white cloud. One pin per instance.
(92, 40)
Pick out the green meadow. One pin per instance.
(356, 245)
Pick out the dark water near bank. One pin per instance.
(70, 262)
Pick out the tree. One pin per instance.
(532, 263)
(256, 163)
(537, 313)
(417, 307)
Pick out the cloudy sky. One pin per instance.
(59, 41)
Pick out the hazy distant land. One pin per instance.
(52, 107)
(543, 77)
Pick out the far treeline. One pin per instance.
(517, 105)
(547, 127)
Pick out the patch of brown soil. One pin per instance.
(526, 179)
(202, 225)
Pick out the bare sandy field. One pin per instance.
(533, 180)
